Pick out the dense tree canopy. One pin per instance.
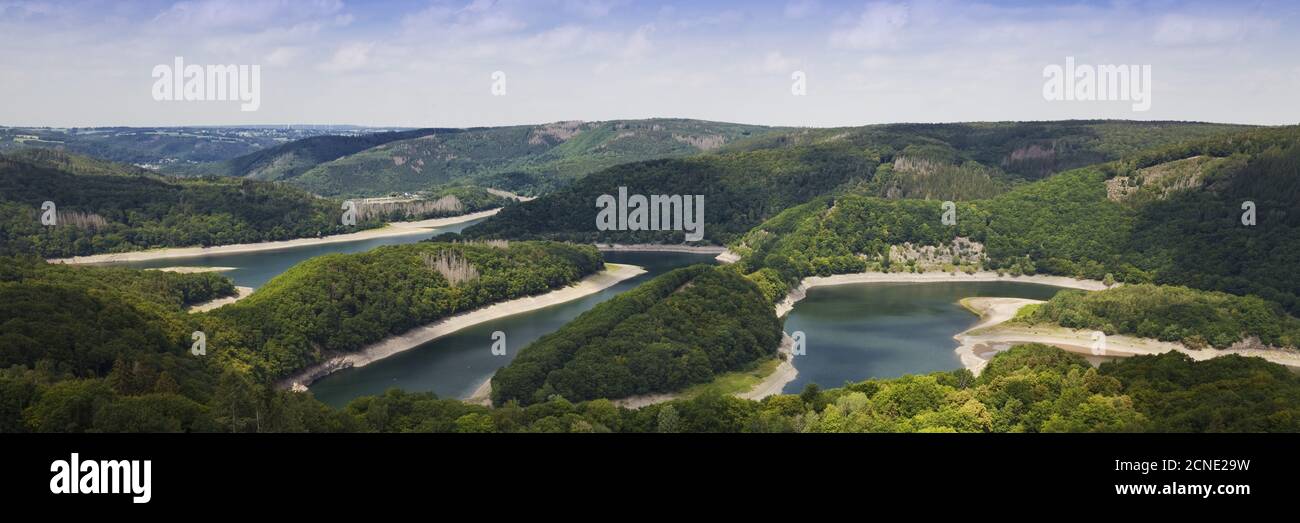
(679, 329)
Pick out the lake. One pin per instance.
(884, 330)
(454, 365)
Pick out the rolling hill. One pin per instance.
(526, 158)
(754, 179)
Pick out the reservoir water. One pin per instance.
(451, 366)
(454, 365)
(254, 269)
(885, 330)
(854, 332)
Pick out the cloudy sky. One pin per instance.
(430, 63)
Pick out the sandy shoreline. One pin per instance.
(240, 293)
(990, 336)
(612, 274)
(656, 247)
(392, 229)
(801, 291)
(192, 270)
(777, 380)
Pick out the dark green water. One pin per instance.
(454, 365)
(885, 330)
(451, 366)
(854, 332)
(254, 269)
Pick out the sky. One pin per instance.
(431, 63)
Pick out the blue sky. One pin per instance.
(429, 63)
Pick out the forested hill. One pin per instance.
(339, 303)
(291, 159)
(1020, 150)
(108, 350)
(524, 158)
(754, 179)
(104, 207)
(739, 189)
(681, 328)
(1171, 216)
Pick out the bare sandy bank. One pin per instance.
(240, 293)
(655, 247)
(992, 335)
(192, 270)
(777, 380)
(392, 229)
(612, 274)
(728, 257)
(801, 291)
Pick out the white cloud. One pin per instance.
(880, 26)
(349, 57)
(638, 44)
(1179, 29)
(801, 8)
(475, 19)
(776, 63)
(244, 14)
(282, 56)
(591, 8)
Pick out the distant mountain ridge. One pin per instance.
(521, 158)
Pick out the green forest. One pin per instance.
(106, 208)
(1068, 225)
(754, 179)
(679, 329)
(106, 350)
(339, 303)
(1196, 318)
